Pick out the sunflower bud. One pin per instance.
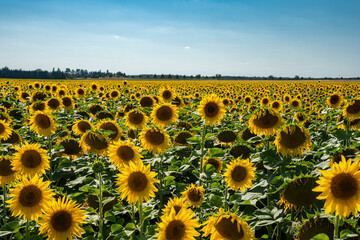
(97, 167)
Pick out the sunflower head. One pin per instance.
(164, 114)
(352, 110)
(215, 162)
(265, 121)
(147, 101)
(54, 104)
(211, 109)
(292, 140)
(30, 197)
(240, 174)
(62, 220)
(295, 103)
(136, 183)
(167, 94)
(298, 193)
(178, 225)
(112, 127)
(5, 130)
(122, 153)
(30, 159)
(194, 195)
(42, 123)
(72, 147)
(67, 102)
(94, 141)
(136, 119)
(334, 100)
(226, 137)
(340, 187)
(240, 151)
(7, 174)
(154, 139)
(81, 126)
(226, 225)
(175, 204)
(181, 138)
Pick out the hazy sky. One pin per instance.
(315, 38)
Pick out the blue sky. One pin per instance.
(315, 38)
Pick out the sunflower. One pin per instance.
(5, 130)
(114, 94)
(13, 139)
(71, 146)
(80, 92)
(110, 125)
(164, 114)
(81, 126)
(239, 174)
(287, 98)
(54, 104)
(136, 183)
(30, 197)
(194, 195)
(226, 137)
(334, 100)
(67, 102)
(179, 226)
(248, 99)
(215, 162)
(176, 204)
(265, 101)
(147, 101)
(352, 110)
(298, 193)
(30, 159)
(265, 121)
(24, 96)
(181, 138)
(135, 119)
(94, 141)
(154, 139)
(167, 95)
(276, 105)
(295, 103)
(62, 220)
(42, 123)
(122, 153)
(340, 187)
(315, 226)
(37, 106)
(211, 109)
(7, 174)
(292, 140)
(225, 226)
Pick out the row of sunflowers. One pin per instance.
(179, 160)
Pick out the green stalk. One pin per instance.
(336, 228)
(4, 203)
(27, 230)
(141, 221)
(202, 150)
(50, 155)
(278, 232)
(101, 219)
(161, 184)
(225, 198)
(133, 219)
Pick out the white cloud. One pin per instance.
(187, 47)
(119, 37)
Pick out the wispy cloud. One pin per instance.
(186, 47)
(119, 37)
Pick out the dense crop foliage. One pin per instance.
(179, 160)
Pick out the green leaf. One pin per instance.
(321, 236)
(115, 228)
(5, 233)
(110, 216)
(194, 140)
(217, 152)
(129, 229)
(216, 200)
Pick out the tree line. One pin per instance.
(5, 72)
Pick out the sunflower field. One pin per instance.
(175, 160)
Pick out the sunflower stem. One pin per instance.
(50, 155)
(278, 232)
(101, 220)
(4, 203)
(161, 183)
(133, 219)
(336, 228)
(225, 198)
(27, 230)
(141, 221)
(202, 150)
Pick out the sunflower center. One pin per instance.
(30, 196)
(238, 173)
(181, 137)
(25, 96)
(293, 139)
(266, 121)
(61, 221)
(164, 113)
(71, 147)
(334, 99)
(354, 108)
(80, 91)
(175, 230)
(295, 103)
(211, 109)
(344, 186)
(114, 94)
(194, 195)
(226, 136)
(96, 141)
(31, 158)
(247, 100)
(110, 126)
(137, 181)
(240, 150)
(265, 101)
(53, 103)
(5, 168)
(146, 102)
(42, 121)
(155, 138)
(83, 126)
(299, 192)
(126, 153)
(166, 94)
(229, 229)
(213, 162)
(276, 105)
(136, 117)
(66, 101)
